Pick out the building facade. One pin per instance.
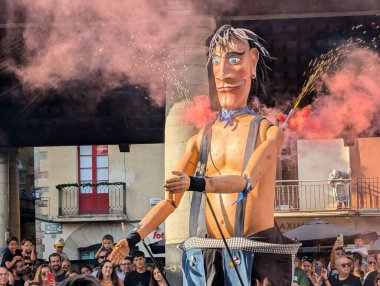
(85, 192)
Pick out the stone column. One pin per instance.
(9, 195)
(14, 195)
(4, 196)
(189, 60)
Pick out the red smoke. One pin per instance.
(200, 113)
(352, 105)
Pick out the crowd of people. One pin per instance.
(20, 267)
(346, 267)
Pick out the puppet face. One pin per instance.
(233, 65)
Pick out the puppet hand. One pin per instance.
(120, 251)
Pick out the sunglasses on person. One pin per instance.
(44, 274)
(102, 257)
(29, 264)
(346, 265)
(371, 262)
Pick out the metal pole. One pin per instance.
(155, 262)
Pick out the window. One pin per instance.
(93, 166)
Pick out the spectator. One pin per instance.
(102, 256)
(28, 268)
(42, 274)
(377, 280)
(371, 264)
(343, 278)
(28, 249)
(125, 267)
(107, 275)
(337, 251)
(141, 276)
(306, 264)
(360, 248)
(59, 244)
(107, 245)
(357, 261)
(81, 280)
(371, 277)
(157, 279)
(11, 254)
(56, 263)
(18, 273)
(66, 265)
(4, 276)
(85, 269)
(300, 277)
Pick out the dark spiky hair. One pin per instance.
(227, 33)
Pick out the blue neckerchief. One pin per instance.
(228, 116)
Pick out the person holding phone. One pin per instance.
(344, 277)
(42, 277)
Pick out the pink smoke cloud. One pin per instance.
(91, 39)
(352, 105)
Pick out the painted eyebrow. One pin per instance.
(229, 53)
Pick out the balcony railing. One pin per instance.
(362, 194)
(368, 193)
(90, 199)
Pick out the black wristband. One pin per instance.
(133, 238)
(197, 184)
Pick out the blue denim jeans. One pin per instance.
(193, 268)
(244, 262)
(194, 261)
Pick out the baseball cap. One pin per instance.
(59, 242)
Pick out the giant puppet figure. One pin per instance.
(232, 163)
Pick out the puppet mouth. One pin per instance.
(229, 86)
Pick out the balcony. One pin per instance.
(362, 196)
(92, 202)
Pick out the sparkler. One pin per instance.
(329, 62)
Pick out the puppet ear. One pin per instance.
(254, 54)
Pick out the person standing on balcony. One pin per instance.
(340, 187)
(231, 161)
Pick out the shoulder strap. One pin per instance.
(196, 200)
(249, 148)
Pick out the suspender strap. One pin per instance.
(249, 148)
(196, 201)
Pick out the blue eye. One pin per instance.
(233, 60)
(215, 61)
